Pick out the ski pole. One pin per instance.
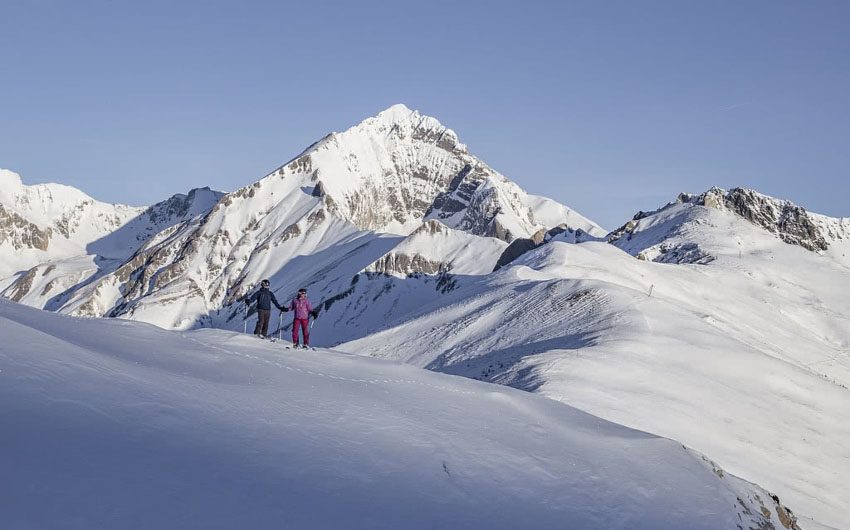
(279, 325)
(245, 320)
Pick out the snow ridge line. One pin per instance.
(322, 374)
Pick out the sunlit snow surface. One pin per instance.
(746, 359)
(116, 424)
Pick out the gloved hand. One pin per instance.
(314, 314)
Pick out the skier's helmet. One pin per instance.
(302, 291)
(265, 283)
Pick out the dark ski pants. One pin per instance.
(304, 324)
(262, 327)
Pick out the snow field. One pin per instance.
(116, 423)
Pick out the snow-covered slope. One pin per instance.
(746, 358)
(111, 424)
(435, 248)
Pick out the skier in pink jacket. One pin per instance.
(302, 310)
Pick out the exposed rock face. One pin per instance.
(406, 265)
(435, 251)
(20, 233)
(179, 206)
(23, 285)
(431, 227)
(318, 190)
(627, 229)
(386, 171)
(520, 246)
(390, 172)
(288, 233)
(791, 223)
(474, 204)
(682, 253)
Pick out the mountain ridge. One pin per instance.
(387, 175)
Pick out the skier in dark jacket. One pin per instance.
(303, 310)
(264, 298)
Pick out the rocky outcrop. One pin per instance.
(20, 233)
(431, 228)
(23, 285)
(176, 207)
(406, 265)
(791, 223)
(627, 229)
(670, 234)
(680, 253)
(520, 246)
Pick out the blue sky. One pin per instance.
(609, 107)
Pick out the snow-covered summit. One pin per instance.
(390, 171)
(399, 116)
(43, 204)
(9, 180)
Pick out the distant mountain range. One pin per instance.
(721, 320)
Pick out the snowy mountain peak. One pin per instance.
(42, 222)
(399, 115)
(392, 171)
(699, 228)
(790, 222)
(401, 124)
(9, 180)
(396, 113)
(398, 108)
(183, 206)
